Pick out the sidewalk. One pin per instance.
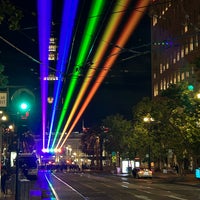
(188, 179)
(7, 197)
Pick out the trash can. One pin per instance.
(24, 188)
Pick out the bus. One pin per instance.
(28, 164)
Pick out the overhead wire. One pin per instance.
(128, 29)
(107, 35)
(87, 38)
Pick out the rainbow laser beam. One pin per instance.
(44, 21)
(88, 36)
(68, 19)
(128, 29)
(112, 26)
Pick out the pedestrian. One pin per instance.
(4, 174)
(176, 167)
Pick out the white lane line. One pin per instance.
(175, 197)
(142, 197)
(69, 187)
(54, 192)
(125, 186)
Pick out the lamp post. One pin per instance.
(2, 118)
(148, 119)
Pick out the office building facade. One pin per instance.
(175, 39)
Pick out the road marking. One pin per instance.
(142, 197)
(54, 192)
(125, 182)
(125, 186)
(70, 187)
(175, 197)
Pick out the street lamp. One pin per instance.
(198, 95)
(149, 119)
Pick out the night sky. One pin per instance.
(126, 84)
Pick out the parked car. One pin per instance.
(142, 173)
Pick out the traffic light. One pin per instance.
(24, 109)
(24, 106)
(23, 100)
(190, 87)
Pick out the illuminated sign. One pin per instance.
(3, 99)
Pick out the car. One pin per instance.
(142, 173)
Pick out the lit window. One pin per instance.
(161, 69)
(51, 56)
(155, 20)
(179, 77)
(161, 85)
(164, 67)
(192, 71)
(155, 90)
(182, 52)
(191, 44)
(171, 79)
(186, 49)
(175, 78)
(165, 84)
(196, 41)
(178, 56)
(52, 39)
(182, 76)
(186, 28)
(52, 48)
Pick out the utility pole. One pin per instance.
(17, 168)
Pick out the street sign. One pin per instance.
(3, 99)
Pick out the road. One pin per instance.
(75, 186)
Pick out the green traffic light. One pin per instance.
(23, 100)
(24, 106)
(190, 87)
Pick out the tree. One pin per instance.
(185, 121)
(88, 141)
(118, 136)
(9, 15)
(196, 66)
(152, 135)
(10, 18)
(3, 78)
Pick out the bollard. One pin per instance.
(24, 188)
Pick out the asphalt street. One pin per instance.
(73, 185)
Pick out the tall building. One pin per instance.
(175, 41)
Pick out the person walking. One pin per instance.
(3, 179)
